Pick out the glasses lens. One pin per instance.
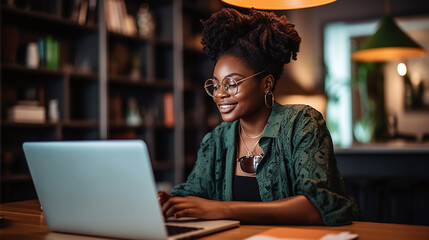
(211, 87)
(230, 86)
(248, 164)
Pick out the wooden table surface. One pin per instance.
(24, 220)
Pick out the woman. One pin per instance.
(266, 163)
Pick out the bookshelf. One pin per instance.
(60, 75)
(107, 83)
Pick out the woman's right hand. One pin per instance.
(163, 197)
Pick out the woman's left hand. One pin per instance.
(194, 207)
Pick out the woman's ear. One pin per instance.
(268, 83)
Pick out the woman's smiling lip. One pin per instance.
(226, 107)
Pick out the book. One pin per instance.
(52, 53)
(41, 47)
(49, 52)
(75, 10)
(108, 15)
(113, 9)
(130, 25)
(27, 114)
(123, 17)
(83, 12)
(168, 110)
(290, 233)
(119, 12)
(92, 13)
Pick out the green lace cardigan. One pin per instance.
(298, 160)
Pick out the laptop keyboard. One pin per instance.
(174, 230)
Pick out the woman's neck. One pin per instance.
(254, 126)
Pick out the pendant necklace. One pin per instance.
(249, 151)
(249, 161)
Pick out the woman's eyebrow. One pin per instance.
(230, 75)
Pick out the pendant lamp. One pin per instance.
(277, 4)
(389, 43)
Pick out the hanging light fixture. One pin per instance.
(277, 4)
(388, 43)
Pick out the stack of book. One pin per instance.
(27, 112)
(117, 18)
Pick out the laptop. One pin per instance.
(104, 188)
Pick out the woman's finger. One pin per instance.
(177, 207)
(163, 197)
(169, 203)
(187, 212)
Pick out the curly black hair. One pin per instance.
(264, 40)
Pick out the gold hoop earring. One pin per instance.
(272, 99)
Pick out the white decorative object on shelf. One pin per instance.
(32, 55)
(53, 110)
(133, 115)
(145, 21)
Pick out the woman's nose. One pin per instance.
(222, 93)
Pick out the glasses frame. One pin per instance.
(223, 86)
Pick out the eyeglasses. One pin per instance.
(248, 164)
(229, 84)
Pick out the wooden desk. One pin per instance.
(24, 220)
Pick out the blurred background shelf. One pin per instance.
(107, 79)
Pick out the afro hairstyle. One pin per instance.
(263, 40)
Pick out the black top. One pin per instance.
(245, 189)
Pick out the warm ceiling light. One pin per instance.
(402, 69)
(277, 4)
(387, 44)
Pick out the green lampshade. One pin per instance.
(387, 44)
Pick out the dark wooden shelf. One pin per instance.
(132, 38)
(125, 80)
(47, 124)
(39, 20)
(20, 70)
(159, 41)
(10, 178)
(80, 124)
(84, 76)
(23, 70)
(193, 87)
(8, 123)
(123, 125)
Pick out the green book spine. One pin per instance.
(49, 53)
(55, 49)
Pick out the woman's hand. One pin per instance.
(194, 207)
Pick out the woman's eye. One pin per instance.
(230, 83)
